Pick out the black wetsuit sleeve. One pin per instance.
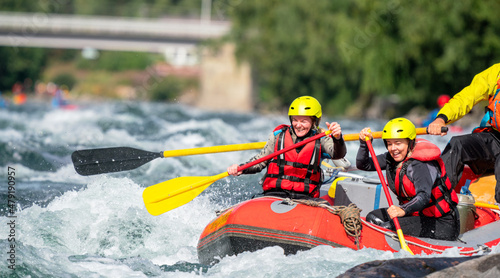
(333, 148)
(364, 161)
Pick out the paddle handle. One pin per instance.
(294, 146)
(380, 175)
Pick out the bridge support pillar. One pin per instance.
(225, 84)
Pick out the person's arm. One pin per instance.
(333, 148)
(481, 88)
(268, 149)
(363, 160)
(423, 175)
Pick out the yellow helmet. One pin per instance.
(305, 106)
(399, 128)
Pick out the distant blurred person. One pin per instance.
(479, 150)
(58, 100)
(441, 101)
(3, 102)
(19, 95)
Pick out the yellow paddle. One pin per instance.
(167, 195)
(174, 193)
(402, 241)
(108, 160)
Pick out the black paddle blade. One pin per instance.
(108, 160)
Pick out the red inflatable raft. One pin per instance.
(295, 225)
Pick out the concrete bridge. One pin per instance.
(225, 84)
(174, 37)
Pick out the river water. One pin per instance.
(61, 224)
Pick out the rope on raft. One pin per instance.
(349, 216)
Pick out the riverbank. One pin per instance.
(188, 85)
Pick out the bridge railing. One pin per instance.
(30, 24)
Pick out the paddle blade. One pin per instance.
(402, 241)
(108, 160)
(167, 195)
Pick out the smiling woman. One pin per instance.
(302, 125)
(416, 174)
(399, 138)
(297, 174)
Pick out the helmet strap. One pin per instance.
(411, 145)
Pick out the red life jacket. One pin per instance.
(294, 171)
(442, 194)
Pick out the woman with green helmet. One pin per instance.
(297, 173)
(416, 174)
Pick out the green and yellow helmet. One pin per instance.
(305, 106)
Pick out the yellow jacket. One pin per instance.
(481, 88)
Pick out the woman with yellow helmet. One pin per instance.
(416, 174)
(297, 173)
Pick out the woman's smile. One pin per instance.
(398, 148)
(301, 125)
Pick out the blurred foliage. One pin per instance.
(344, 51)
(20, 65)
(170, 88)
(65, 79)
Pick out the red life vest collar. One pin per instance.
(425, 151)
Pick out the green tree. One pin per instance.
(344, 51)
(18, 64)
(293, 50)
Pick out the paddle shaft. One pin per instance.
(171, 194)
(215, 149)
(347, 137)
(247, 165)
(257, 145)
(387, 195)
(108, 160)
(382, 178)
(156, 197)
(294, 146)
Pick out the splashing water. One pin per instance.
(97, 226)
